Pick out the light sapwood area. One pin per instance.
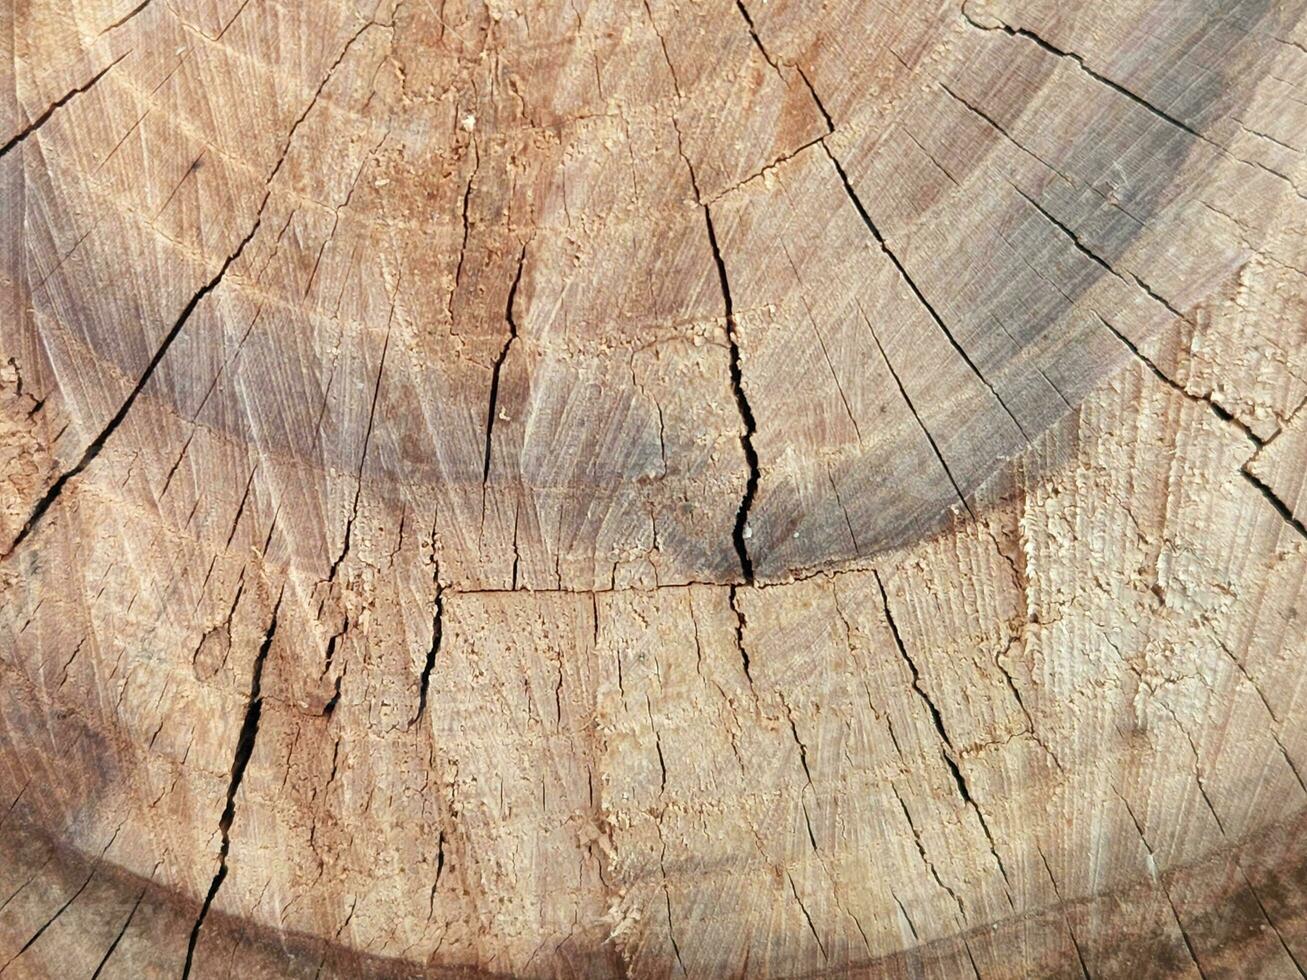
(722, 489)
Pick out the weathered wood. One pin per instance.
(723, 489)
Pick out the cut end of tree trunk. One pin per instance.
(728, 489)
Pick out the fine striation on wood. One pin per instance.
(710, 489)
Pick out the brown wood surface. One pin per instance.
(724, 489)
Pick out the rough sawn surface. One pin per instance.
(590, 490)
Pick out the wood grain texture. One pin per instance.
(711, 489)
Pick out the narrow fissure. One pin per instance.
(935, 716)
(1271, 922)
(240, 508)
(467, 225)
(912, 285)
(741, 532)
(1222, 413)
(1096, 76)
(440, 869)
(816, 99)
(1093, 256)
(1139, 829)
(753, 32)
(1138, 100)
(333, 702)
(330, 655)
(947, 751)
(906, 918)
(97, 444)
(916, 415)
(95, 866)
(739, 634)
(118, 938)
(56, 105)
(671, 931)
(126, 17)
(1075, 943)
(804, 909)
(925, 858)
(367, 442)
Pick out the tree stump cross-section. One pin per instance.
(717, 489)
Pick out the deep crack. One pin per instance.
(741, 532)
(1280, 506)
(249, 733)
(492, 411)
(437, 635)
